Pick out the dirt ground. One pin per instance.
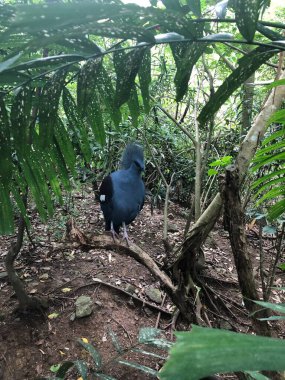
(48, 264)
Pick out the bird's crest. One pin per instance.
(133, 152)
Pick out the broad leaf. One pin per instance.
(140, 367)
(126, 66)
(76, 124)
(225, 352)
(86, 83)
(134, 107)
(145, 79)
(48, 106)
(247, 66)
(247, 12)
(93, 352)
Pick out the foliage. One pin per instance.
(225, 352)
(149, 337)
(63, 87)
(269, 162)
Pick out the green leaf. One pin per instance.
(279, 308)
(134, 107)
(81, 368)
(247, 13)
(9, 62)
(64, 367)
(86, 83)
(19, 201)
(115, 341)
(103, 376)
(107, 94)
(95, 120)
(225, 352)
(247, 66)
(212, 172)
(145, 79)
(152, 354)
(93, 352)
(147, 334)
(280, 82)
(256, 375)
(49, 101)
(76, 124)
(140, 367)
(20, 116)
(5, 145)
(276, 210)
(186, 55)
(6, 211)
(150, 336)
(63, 141)
(126, 66)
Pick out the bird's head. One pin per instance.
(139, 164)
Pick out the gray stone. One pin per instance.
(84, 306)
(130, 288)
(154, 294)
(172, 227)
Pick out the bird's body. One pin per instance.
(122, 192)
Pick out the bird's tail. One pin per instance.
(132, 152)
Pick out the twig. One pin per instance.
(99, 282)
(159, 314)
(128, 335)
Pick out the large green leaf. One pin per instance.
(6, 211)
(247, 12)
(145, 79)
(107, 93)
(134, 107)
(224, 351)
(126, 66)
(20, 120)
(5, 146)
(186, 55)
(86, 83)
(247, 66)
(76, 123)
(48, 106)
(95, 119)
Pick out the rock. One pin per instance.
(154, 294)
(84, 306)
(130, 288)
(172, 227)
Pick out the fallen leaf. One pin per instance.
(53, 315)
(66, 290)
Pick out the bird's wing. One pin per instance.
(106, 190)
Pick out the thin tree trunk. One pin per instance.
(234, 220)
(25, 301)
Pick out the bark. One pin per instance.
(234, 220)
(200, 230)
(247, 103)
(26, 302)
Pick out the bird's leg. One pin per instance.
(125, 234)
(114, 233)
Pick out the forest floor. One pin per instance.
(52, 267)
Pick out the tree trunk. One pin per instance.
(200, 230)
(234, 220)
(25, 301)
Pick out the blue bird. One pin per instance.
(122, 192)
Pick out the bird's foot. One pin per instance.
(125, 234)
(114, 233)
